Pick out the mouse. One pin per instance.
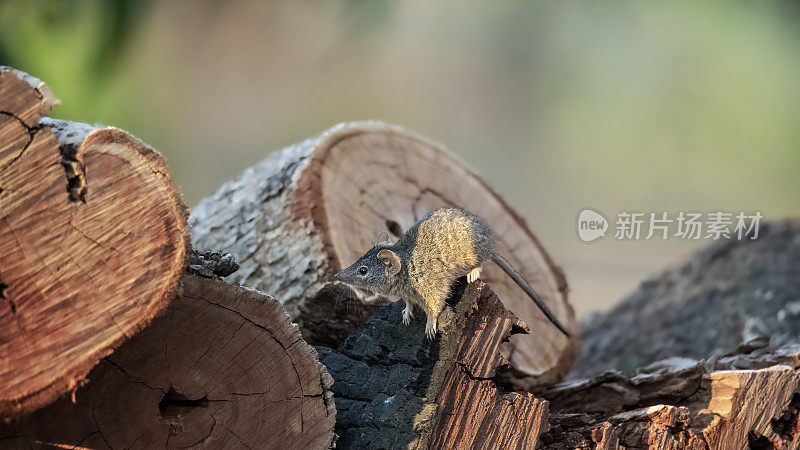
(421, 267)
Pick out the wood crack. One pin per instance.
(31, 133)
(131, 377)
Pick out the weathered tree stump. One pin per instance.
(394, 388)
(221, 367)
(92, 243)
(302, 214)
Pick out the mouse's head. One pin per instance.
(374, 270)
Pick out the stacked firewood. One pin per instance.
(121, 329)
(112, 333)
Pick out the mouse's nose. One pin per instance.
(339, 276)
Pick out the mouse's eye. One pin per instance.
(363, 270)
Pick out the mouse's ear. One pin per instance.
(390, 260)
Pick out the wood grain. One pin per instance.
(221, 367)
(79, 274)
(746, 399)
(25, 97)
(472, 411)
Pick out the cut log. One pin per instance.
(746, 399)
(92, 243)
(302, 214)
(727, 293)
(394, 388)
(221, 367)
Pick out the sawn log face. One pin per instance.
(221, 367)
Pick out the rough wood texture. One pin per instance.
(221, 367)
(727, 293)
(92, 243)
(396, 389)
(745, 399)
(306, 211)
(24, 97)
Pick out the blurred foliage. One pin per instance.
(76, 46)
(366, 16)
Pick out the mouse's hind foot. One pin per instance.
(430, 328)
(408, 314)
(474, 274)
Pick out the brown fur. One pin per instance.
(443, 252)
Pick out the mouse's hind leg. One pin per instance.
(474, 274)
(408, 313)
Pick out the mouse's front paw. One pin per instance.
(408, 314)
(430, 329)
(474, 274)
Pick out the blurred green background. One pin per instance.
(638, 106)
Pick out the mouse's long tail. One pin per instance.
(507, 268)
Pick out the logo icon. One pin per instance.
(591, 225)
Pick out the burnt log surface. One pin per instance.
(729, 292)
(394, 388)
(380, 377)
